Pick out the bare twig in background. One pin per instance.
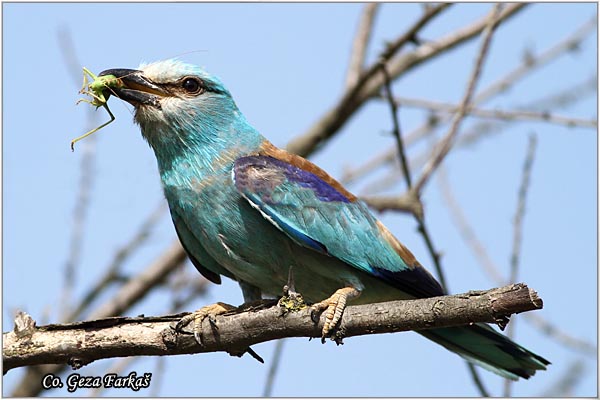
(565, 386)
(396, 124)
(509, 115)
(529, 65)
(416, 190)
(465, 229)
(361, 43)
(180, 282)
(352, 100)
(469, 236)
(113, 270)
(520, 212)
(518, 232)
(562, 337)
(412, 195)
(127, 296)
(72, 343)
(137, 287)
(86, 181)
(477, 380)
(118, 368)
(355, 69)
(475, 133)
(274, 368)
(67, 47)
(442, 150)
(158, 374)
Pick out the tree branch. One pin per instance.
(354, 98)
(531, 64)
(507, 115)
(360, 44)
(80, 343)
(442, 150)
(127, 296)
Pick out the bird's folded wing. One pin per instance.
(204, 263)
(316, 212)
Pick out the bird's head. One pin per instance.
(179, 106)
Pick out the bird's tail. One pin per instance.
(482, 345)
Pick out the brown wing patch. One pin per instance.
(398, 247)
(268, 149)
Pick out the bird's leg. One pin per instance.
(334, 308)
(200, 315)
(291, 300)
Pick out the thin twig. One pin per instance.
(444, 147)
(562, 337)
(396, 124)
(507, 115)
(518, 233)
(520, 212)
(277, 353)
(127, 296)
(465, 229)
(361, 43)
(354, 97)
(412, 197)
(477, 380)
(417, 210)
(475, 133)
(527, 66)
(111, 273)
(86, 182)
(564, 387)
(180, 281)
(469, 236)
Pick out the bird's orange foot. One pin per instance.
(200, 315)
(333, 307)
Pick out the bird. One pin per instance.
(248, 210)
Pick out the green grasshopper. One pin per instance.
(99, 90)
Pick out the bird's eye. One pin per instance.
(191, 85)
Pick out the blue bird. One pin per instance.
(247, 210)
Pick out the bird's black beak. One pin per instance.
(136, 89)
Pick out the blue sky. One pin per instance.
(285, 65)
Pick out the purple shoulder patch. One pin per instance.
(270, 171)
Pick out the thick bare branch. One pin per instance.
(78, 344)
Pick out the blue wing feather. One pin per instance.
(316, 215)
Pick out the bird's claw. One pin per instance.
(333, 307)
(209, 312)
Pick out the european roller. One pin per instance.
(247, 210)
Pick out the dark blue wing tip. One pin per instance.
(415, 281)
